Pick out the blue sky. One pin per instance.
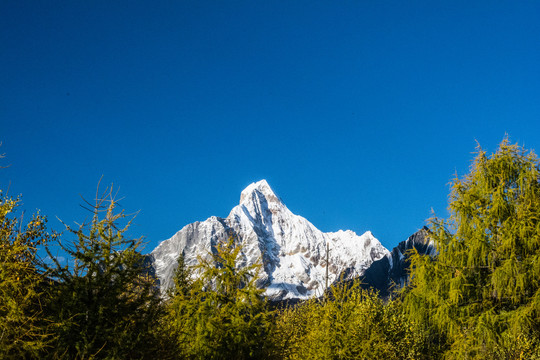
(358, 113)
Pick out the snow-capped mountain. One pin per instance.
(293, 251)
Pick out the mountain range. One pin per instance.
(298, 259)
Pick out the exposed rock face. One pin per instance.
(292, 250)
(392, 271)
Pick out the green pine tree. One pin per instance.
(482, 290)
(105, 302)
(23, 331)
(221, 314)
(180, 306)
(182, 280)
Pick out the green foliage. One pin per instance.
(105, 303)
(482, 291)
(23, 332)
(182, 280)
(351, 324)
(221, 314)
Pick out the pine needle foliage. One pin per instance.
(182, 280)
(482, 290)
(104, 301)
(351, 323)
(23, 331)
(179, 307)
(220, 313)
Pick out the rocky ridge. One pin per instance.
(392, 271)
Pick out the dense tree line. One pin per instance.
(477, 298)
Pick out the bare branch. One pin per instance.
(3, 155)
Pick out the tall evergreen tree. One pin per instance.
(23, 331)
(482, 290)
(105, 302)
(221, 314)
(183, 280)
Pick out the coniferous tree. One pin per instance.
(482, 290)
(105, 301)
(220, 314)
(180, 307)
(23, 331)
(182, 279)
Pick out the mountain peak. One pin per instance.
(293, 251)
(262, 187)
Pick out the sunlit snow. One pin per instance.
(293, 251)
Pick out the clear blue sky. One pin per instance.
(358, 113)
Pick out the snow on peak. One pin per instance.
(260, 187)
(293, 251)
